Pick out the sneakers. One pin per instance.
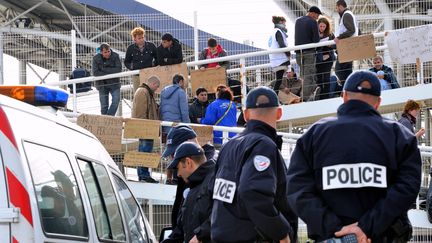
(148, 180)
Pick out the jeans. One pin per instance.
(306, 60)
(145, 145)
(104, 92)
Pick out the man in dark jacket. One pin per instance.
(249, 192)
(169, 51)
(357, 173)
(141, 54)
(107, 62)
(388, 72)
(198, 107)
(193, 224)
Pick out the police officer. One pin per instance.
(177, 136)
(249, 192)
(357, 173)
(193, 223)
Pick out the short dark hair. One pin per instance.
(200, 90)
(104, 46)
(211, 42)
(341, 2)
(177, 78)
(278, 19)
(167, 37)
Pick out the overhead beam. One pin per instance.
(71, 19)
(24, 13)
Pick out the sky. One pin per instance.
(237, 20)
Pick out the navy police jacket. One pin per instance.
(356, 167)
(249, 190)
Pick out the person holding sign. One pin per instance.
(169, 52)
(213, 50)
(347, 28)
(140, 54)
(144, 106)
(357, 173)
(249, 193)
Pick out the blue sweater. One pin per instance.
(174, 105)
(215, 111)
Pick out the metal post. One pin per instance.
(22, 72)
(258, 77)
(196, 43)
(150, 218)
(74, 64)
(421, 72)
(243, 81)
(1, 58)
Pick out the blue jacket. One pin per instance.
(249, 191)
(356, 167)
(215, 111)
(174, 104)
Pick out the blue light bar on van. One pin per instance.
(37, 95)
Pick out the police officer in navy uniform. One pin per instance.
(357, 173)
(193, 223)
(249, 191)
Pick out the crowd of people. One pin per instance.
(354, 175)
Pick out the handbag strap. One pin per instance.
(226, 112)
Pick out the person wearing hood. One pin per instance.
(169, 52)
(198, 107)
(214, 50)
(174, 103)
(279, 61)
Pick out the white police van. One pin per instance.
(57, 182)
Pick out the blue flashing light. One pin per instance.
(50, 96)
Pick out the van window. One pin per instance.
(58, 198)
(106, 211)
(133, 216)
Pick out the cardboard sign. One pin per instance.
(164, 73)
(406, 45)
(204, 134)
(108, 129)
(135, 158)
(289, 98)
(142, 128)
(356, 48)
(209, 79)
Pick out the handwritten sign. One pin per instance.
(405, 45)
(135, 158)
(289, 98)
(209, 79)
(204, 134)
(142, 128)
(356, 48)
(108, 129)
(165, 74)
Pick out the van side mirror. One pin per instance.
(165, 232)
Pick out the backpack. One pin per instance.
(80, 72)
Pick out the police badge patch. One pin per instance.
(261, 162)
